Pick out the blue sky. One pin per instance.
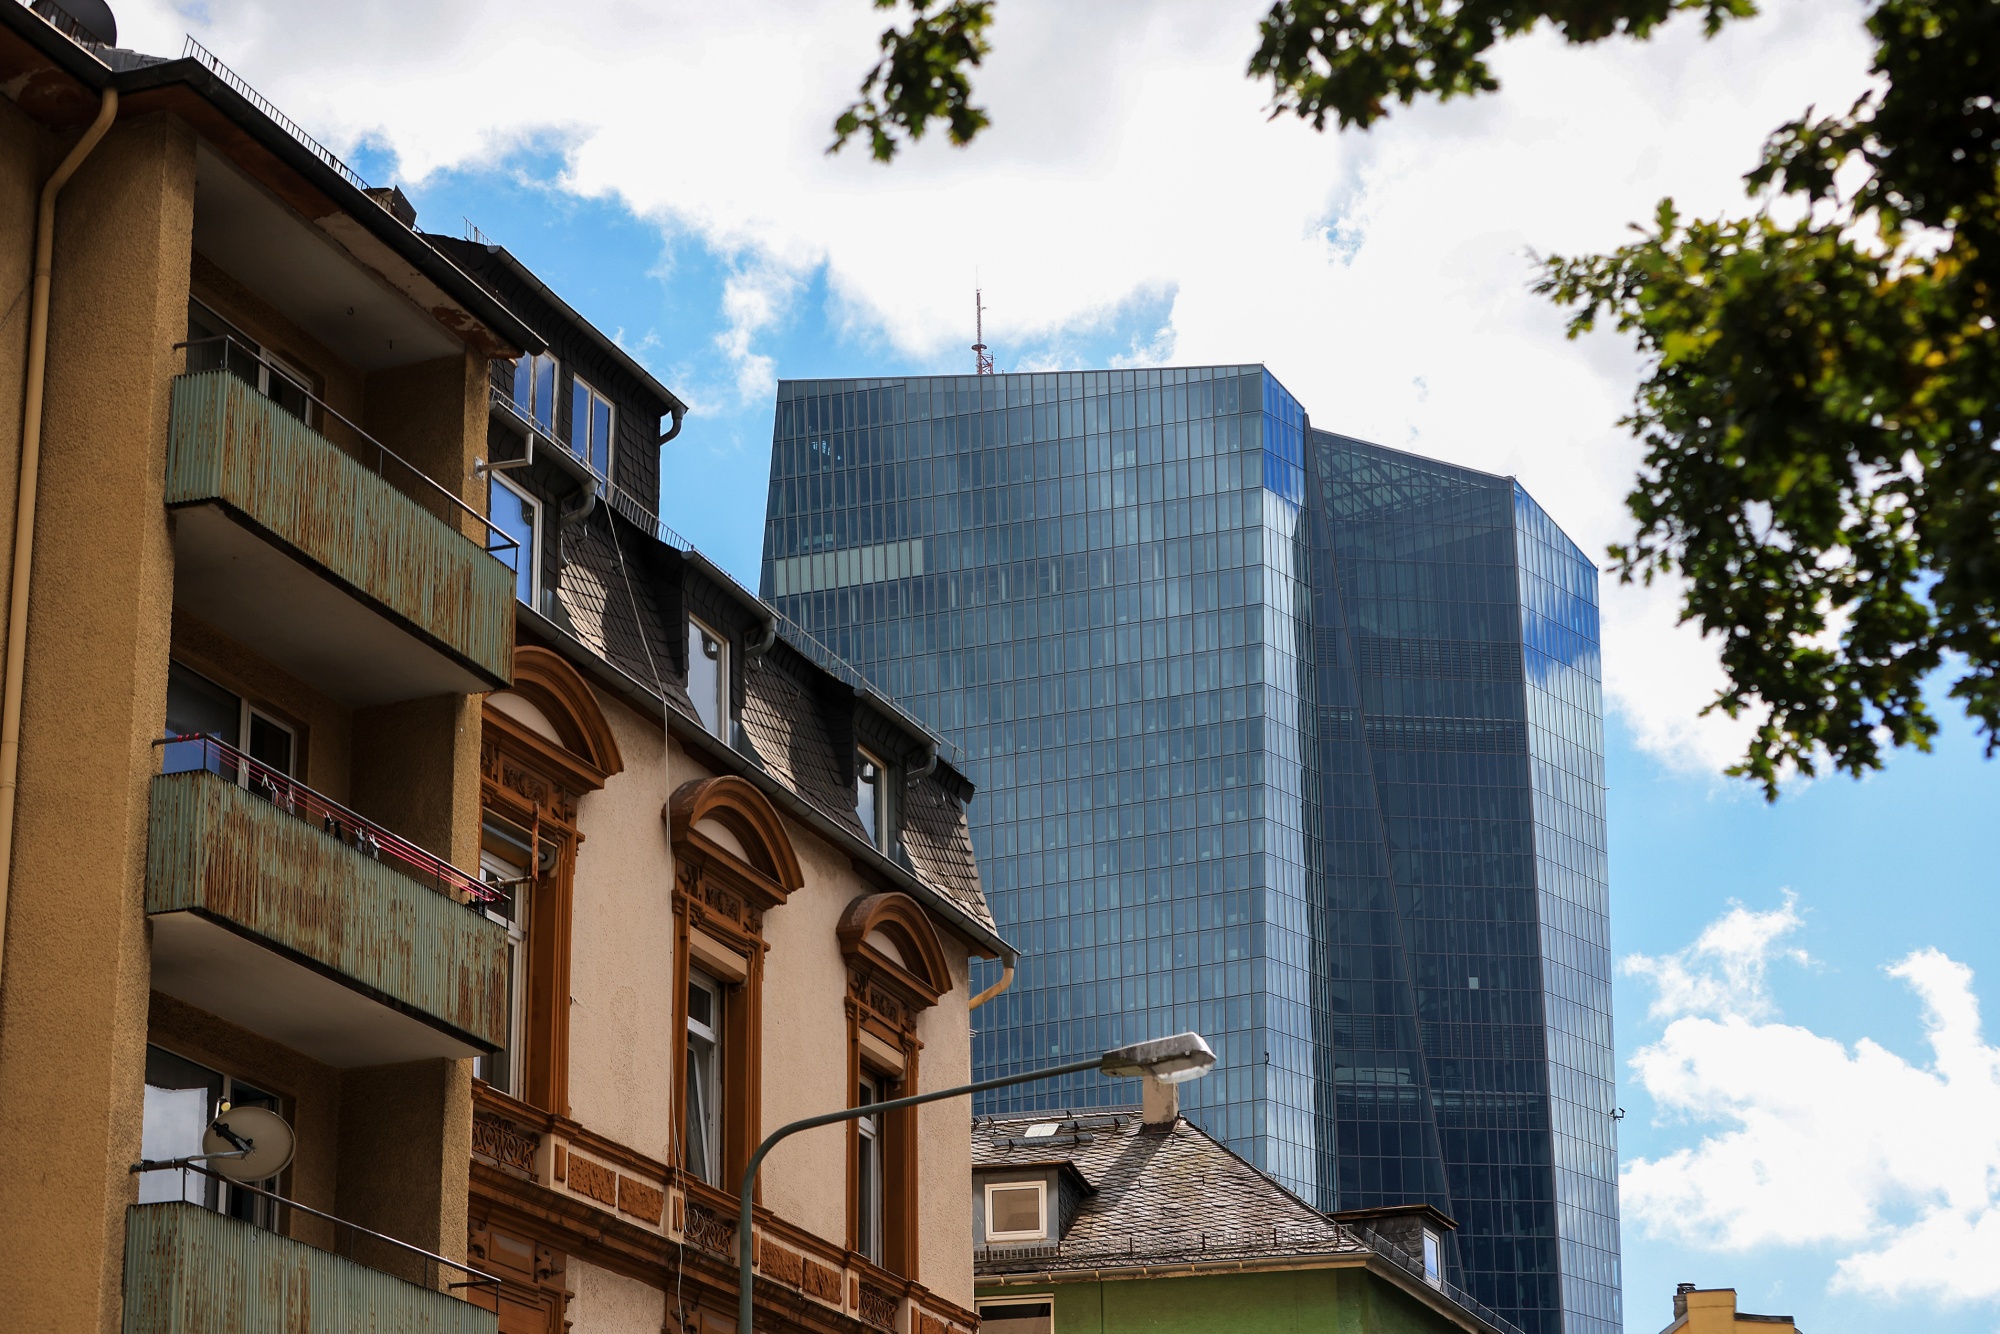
(1880, 867)
(1802, 1124)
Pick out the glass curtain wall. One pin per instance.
(1278, 735)
(1091, 583)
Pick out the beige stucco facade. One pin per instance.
(280, 546)
(1713, 1311)
(380, 1142)
(604, 1181)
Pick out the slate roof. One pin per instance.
(1170, 1197)
(611, 594)
(1157, 1196)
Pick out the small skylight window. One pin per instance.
(1042, 1129)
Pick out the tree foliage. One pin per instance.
(1819, 395)
(924, 75)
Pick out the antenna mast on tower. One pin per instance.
(982, 359)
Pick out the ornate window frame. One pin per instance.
(720, 896)
(896, 969)
(536, 783)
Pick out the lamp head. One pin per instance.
(1173, 1060)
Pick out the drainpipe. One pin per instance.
(1006, 980)
(24, 496)
(679, 413)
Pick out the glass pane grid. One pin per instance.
(1278, 736)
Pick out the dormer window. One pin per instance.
(871, 797)
(535, 390)
(708, 677)
(590, 428)
(1017, 1211)
(1433, 1257)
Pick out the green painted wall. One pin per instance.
(1310, 1301)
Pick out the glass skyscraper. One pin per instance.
(1281, 736)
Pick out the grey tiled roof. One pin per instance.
(600, 600)
(936, 835)
(1157, 1196)
(612, 607)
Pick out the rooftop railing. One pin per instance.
(281, 385)
(1413, 1266)
(200, 751)
(196, 51)
(65, 23)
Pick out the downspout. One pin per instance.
(762, 646)
(24, 496)
(679, 415)
(1006, 980)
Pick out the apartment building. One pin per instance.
(789, 934)
(505, 863)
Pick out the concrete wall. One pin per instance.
(1308, 1301)
(73, 1008)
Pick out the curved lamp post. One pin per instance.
(1173, 1060)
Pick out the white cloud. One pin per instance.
(1128, 158)
(1723, 973)
(1893, 1165)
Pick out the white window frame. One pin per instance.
(1048, 1299)
(221, 1196)
(875, 817)
(579, 439)
(871, 1182)
(1041, 1189)
(268, 362)
(531, 551)
(696, 631)
(704, 1072)
(496, 870)
(1433, 1259)
(524, 403)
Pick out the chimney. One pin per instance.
(395, 204)
(1681, 1291)
(1159, 1103)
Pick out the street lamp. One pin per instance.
(1173, 1060)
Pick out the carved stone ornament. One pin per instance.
(710, 1231)
(878, 1308)
(505, 1143)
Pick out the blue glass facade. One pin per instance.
(1279, 736)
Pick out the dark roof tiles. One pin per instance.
(1157, 1196)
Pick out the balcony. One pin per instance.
(285, 913)
(191, 1271)
(308, 554)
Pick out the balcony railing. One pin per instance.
(282, 387)
(201, 751)
(189, 1270)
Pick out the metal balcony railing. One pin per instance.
(282, 387)
(350, 1241)
(191, 751)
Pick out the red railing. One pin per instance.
(198, 750)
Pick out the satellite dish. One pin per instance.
(259, 1134)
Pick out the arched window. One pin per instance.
(733, 862)
(543, 744)
(896, 968)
